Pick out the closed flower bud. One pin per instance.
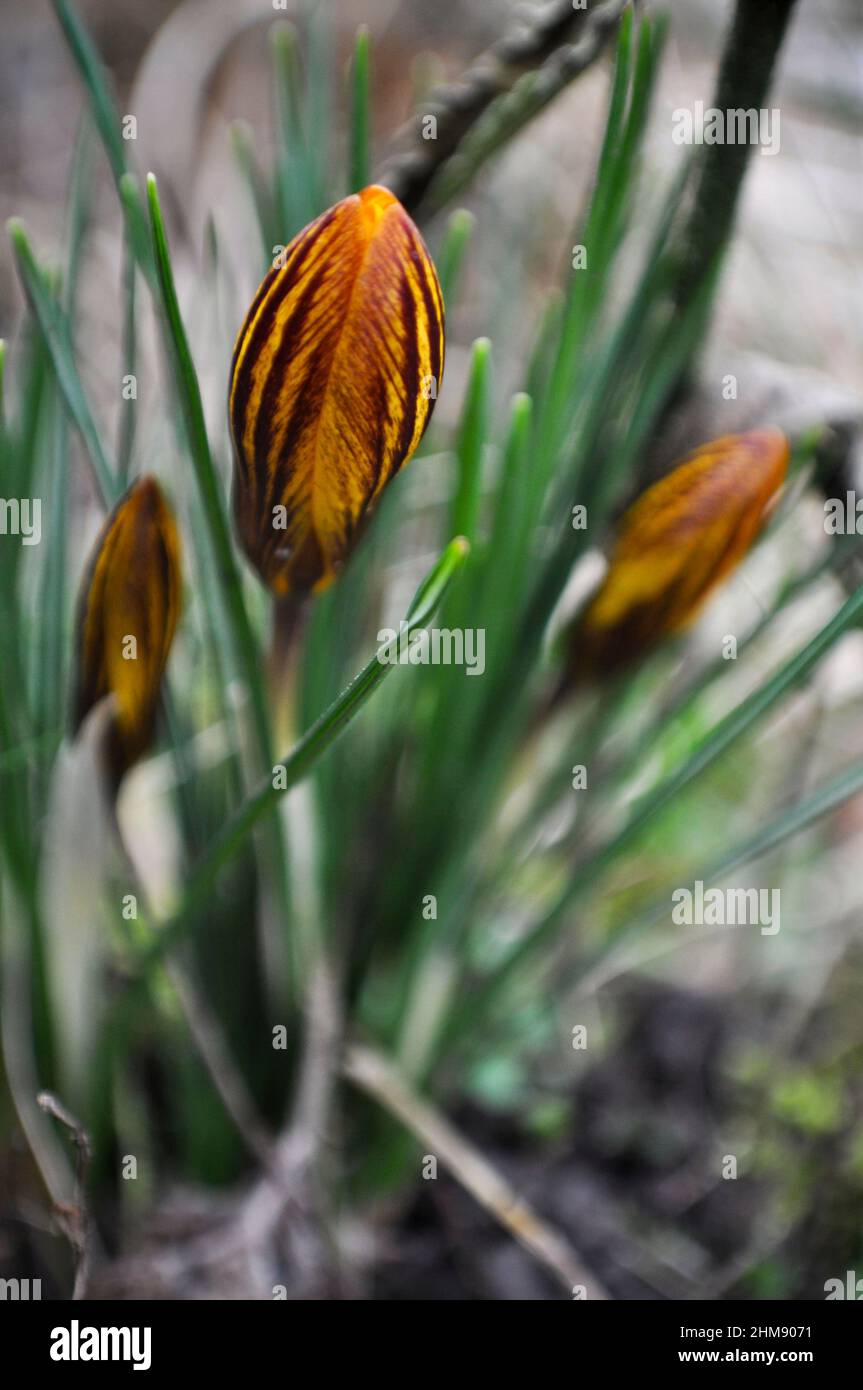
(675, 544)
(126, 619)
(335, 374)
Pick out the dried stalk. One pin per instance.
(550, 49)
(73, 1217)
(375, 1075)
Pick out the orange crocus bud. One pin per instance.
(127, 614)
(335, 374)
(675, 544)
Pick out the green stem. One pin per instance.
(311, 746)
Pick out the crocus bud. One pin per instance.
(127, 614)
(335, 374)
(675, 544)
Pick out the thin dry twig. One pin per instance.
(73, 1217)
(553, 44)
(295, 1177)
(375, 1074)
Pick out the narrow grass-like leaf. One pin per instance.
(314, 742)
(810, 809)
(55, 333)
(616, 105)
(294, 182)
(776, 832)
(23, 427)
(78, 212)
(252, 175)
(516, 513)
(243, 644)
(718, 741)
(450, 259)
(471, 442)
(95, 80)
(360, 158)
(15, 782)
(128, 404)
(49, 656)
(245, 649)
(616, 190)
(321, 103)
(107, 120)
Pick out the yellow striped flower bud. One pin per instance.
(675, 544)
(127, 614)
(335, 374)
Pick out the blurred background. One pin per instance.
(190, 70)
(724, 1048)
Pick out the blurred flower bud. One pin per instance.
(674, 545)
(127, 614)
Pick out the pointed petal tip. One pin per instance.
(375, 202)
